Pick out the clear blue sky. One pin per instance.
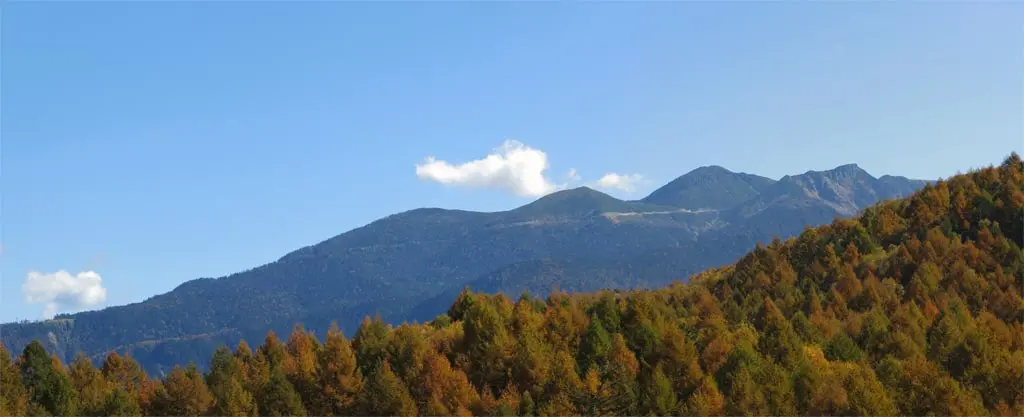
(160, 142)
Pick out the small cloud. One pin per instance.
(621, 182)
(573, 175)
(61, 291)
(512, 167)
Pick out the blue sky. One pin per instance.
(153, 143)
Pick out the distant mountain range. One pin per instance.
(411, 265)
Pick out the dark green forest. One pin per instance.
(914, 307)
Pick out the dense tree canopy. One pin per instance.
(913, 308)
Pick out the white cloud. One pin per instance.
(512, 167)
(62, 291)
(621, 182)
(516, 168)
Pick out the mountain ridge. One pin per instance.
(396, 264)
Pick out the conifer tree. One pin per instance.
(183, 393)
(706, 400)
(13, 395)
(123, 371)
(225, 382)
(90, 385)
(300, 365)
(121, 403)
(338, 375)
(49, 388)
(385, 395)
(659, 398)
(273, 351)
(278, 398)
(620, 375)
(370, 344)
(595, 345)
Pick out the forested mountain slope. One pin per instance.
(410, 265)
(912, 308)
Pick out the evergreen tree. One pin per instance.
(273, 351)
(121, 403)
(225, 382)
(385, 395)
(49, 388)
(370, 344)
(595, 345)
(278, 398)
(620, 375)
(659, 397)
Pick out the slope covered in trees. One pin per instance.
(913, 308)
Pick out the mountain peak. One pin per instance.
(709, 170)
(846, 188)
(709, 187)
(581, 190)
(570, 201)
(845, 173)
(845, 169)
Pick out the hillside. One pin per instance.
(912, 308)
(408, 266)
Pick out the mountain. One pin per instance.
(581, 201)
(408, 266)
(913, 307)
(710, 187)
(812, 198)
